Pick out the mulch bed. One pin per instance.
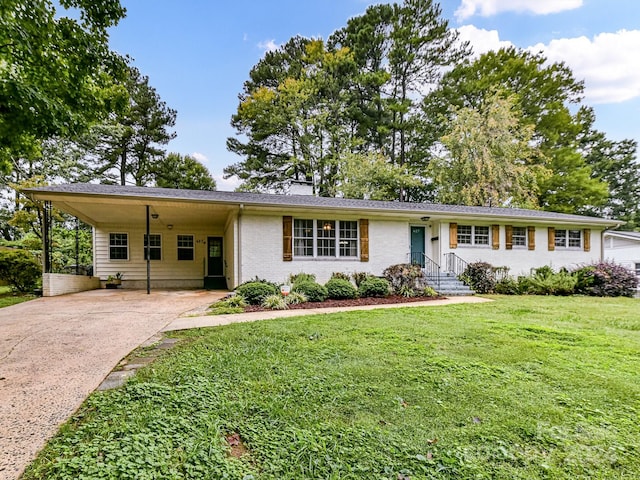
(355, 302)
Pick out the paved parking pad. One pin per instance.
(55, 351)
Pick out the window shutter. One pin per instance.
(531, 237)
(495, 237)
(508, 237)
(587, 239)
(287, 239)
(453, 235)
(364, 240)
(552, 239)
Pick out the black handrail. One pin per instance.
(454, 264)
(431, 270)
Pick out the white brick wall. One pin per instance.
(261, 250)
(54, 284)
(520, 260)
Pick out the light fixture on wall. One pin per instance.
(170, 227)
(425, 219)
(154, 216)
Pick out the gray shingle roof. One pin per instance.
(308, 201)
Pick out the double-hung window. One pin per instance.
(637, 269)
(568, 238)
(118, 246)
(325, 238)
(185, 247)
(303, 238)
(473, 235)
(519, 237)
(155, 246)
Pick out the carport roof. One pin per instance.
(88, 191)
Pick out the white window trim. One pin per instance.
(566, 239)
(144, 247)
(193, 247)
(118, 246)
(526, 237)
(473, 237)
(336, 239)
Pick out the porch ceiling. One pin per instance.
(100, 211)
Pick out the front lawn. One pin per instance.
(521, 388)
(8, 297)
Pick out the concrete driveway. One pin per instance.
(55, 351)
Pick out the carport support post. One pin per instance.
(46, 236)
(147, 254)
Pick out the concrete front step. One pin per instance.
(447, 284)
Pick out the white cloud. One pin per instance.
(226, 185)
(268, 45)
(487, 8)
(201, 157)
(609, 63)
(482, 40)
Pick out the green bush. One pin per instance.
(295, 298)
(545, 281)
(275, 302)
(301, 278)
(312, 290)
(429, 292)
(480, 277)
(340, 288)
(359, 277)
(507, 286)
(374, 287)
(255, 292)
(342, 276)
(19, 269)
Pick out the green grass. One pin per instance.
(8, 298)
(521, 388)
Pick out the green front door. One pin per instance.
(417, 246)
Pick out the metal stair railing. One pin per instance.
(454, 264)
(431, 270)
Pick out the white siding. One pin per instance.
(261, 249)
(169, 268)
(230, 251)
(623, 251)
(520, 260)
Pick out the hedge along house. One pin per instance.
(166, 238)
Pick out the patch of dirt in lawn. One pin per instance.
(355, 302)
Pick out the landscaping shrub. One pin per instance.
(374, 287)
(342, 276)
(339, 288)
(605, 279)
(359, 277)
(301, 277)
(403, 276)
(234, 301)
(545, 281)
(480, 277)
(19, 269)
(275, 302)
(312, 290)
(429, 292)
(507, 286)
(255, 292)
(295, 298)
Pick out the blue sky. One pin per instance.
(198, 53)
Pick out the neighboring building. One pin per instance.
(221, 239)
(623, 248)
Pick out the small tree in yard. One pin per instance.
(19, 269)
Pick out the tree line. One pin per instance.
(394, 106)
(72, 110)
